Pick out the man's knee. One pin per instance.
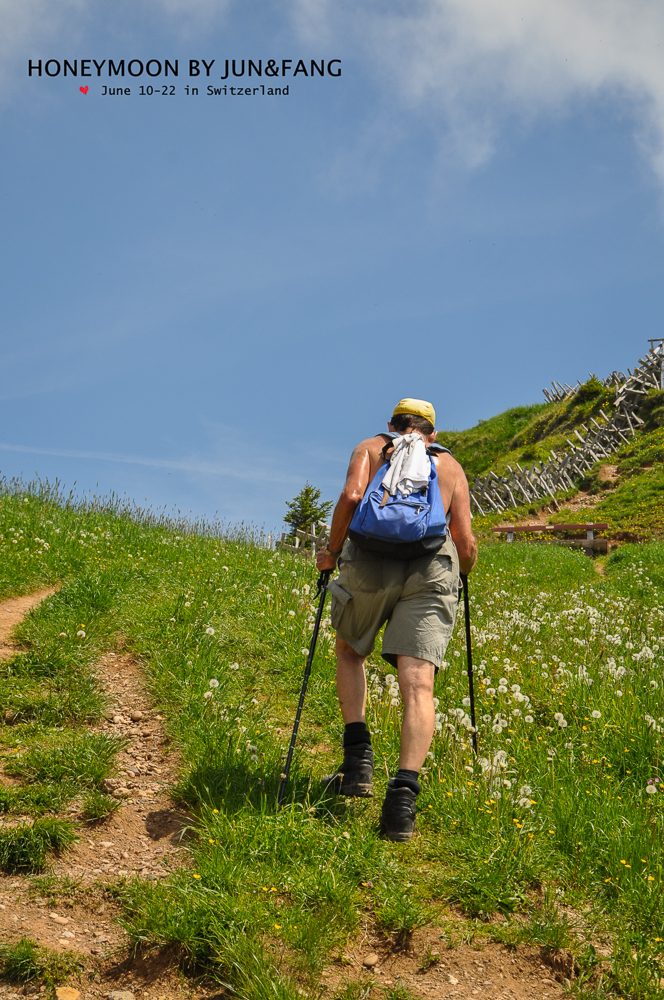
(415, 677)
(346, 653)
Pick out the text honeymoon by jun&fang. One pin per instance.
(222, 69)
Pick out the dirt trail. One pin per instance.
(13, 611)
(143, 839)
(429, 969)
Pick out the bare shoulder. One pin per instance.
(370, 445)
(448, 468)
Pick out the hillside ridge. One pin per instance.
(595, 437)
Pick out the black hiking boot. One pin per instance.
(397, 819)
(355, 775)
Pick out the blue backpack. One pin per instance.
(398, 520)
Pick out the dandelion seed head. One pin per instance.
(209, 630)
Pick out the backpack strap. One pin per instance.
(390, 435)
(433, 449)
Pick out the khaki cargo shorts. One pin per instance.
(417, 598)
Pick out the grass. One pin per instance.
(632, 503)
(25, 848)
(555, 817)
(526, 434)
(68, 757)
(98, 806)
(25, 960)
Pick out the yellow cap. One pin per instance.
(418, 407)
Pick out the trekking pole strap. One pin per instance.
(469, 656)
(323, 581)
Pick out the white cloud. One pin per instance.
(27, 23)
(474, 63)
(203, 467)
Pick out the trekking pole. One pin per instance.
(322, 590)
(469, 654)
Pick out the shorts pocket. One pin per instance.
(338, 592)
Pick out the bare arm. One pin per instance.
(460, 524)
(357, 480)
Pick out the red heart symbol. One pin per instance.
(84, 90)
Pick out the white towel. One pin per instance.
(410, 466)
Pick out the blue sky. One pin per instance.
(208, 300)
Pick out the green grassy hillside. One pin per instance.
(557, 829)
(631, 499)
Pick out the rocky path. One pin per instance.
(70, 908)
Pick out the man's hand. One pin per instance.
(325, 561)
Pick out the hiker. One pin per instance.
(411, 585)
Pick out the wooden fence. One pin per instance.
(542, 480)
(302, 538)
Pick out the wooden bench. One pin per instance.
(589, 543)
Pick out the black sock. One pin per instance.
(355, 733)
(407, 779)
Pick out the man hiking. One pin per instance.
(401, 533)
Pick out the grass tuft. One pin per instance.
(25, 961)
(98, 806)
(82, 758)
(25, 848)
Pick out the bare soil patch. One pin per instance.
(428, 967)
(13, 611)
